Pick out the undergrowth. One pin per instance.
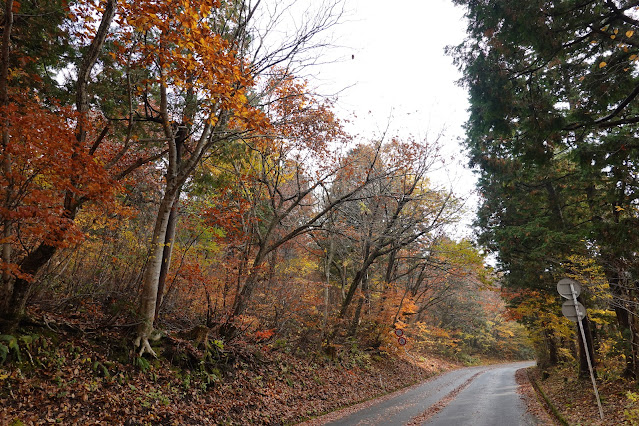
(79, 376)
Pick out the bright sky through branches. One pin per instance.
(394, 72)
(388, 68)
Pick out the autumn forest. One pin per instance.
(179, 205)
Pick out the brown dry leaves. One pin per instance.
(575, 399)
(79, 380)
(534, 403)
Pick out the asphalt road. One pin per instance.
(474, 396)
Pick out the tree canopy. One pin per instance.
(552, 134)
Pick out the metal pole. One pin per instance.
(585, 345)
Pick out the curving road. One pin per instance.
(475, 396)
(491, 400)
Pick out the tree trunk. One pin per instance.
(6, 285)
(360, 304)
(553, 356)
(355, 283)
(169, 238)
(242, 298)
(391, 266)
(167, 251)
(228, 329)
(399, 308)
(329, 262)
(359, 277)
(244, 294)
(356, 317)
(357, 280)
(151, 278)
(624, 321)
(15, 307)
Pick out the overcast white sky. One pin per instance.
(391, 71)
(400, 76)
(399, 64)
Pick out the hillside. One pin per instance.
(63, 373)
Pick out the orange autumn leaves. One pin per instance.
(186, 48)
(45, 165)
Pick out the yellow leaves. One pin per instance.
(299, 266)
(192, 54)
(629, 33)
(601, 316)
(204, 9)
(401, 324)
(612, 36)
(632, 58)
(363, 208)
(602, 64)
(619, 209)
(196, 14)
(409, 307)
(16, 73)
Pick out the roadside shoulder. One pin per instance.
(535, 405)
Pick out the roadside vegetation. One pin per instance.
(72, 376)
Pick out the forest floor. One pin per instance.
(575, 401)
(66, 374)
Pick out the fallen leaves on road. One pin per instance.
(442, 403)
(534, 403)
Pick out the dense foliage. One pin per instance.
(161, 170)
(552, 134)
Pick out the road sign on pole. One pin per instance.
(570, 311)
(570, 289)
(563, 287)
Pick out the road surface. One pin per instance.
(477, 396)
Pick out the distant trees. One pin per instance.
(394, 212)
